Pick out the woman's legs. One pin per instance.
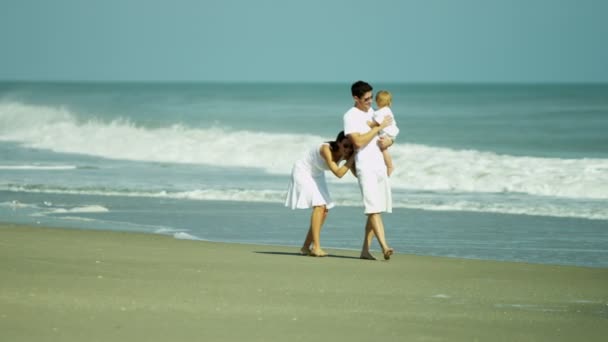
(317, 219)
(305, 250)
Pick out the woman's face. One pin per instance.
(346, 147)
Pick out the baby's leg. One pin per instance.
(388, 161)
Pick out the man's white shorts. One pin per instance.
(376, 191)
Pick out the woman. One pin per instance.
(308, 188)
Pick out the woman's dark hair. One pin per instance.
(333, 145)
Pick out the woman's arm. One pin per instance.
(353, 168)
(337, 170)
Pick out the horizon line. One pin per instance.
(412, 82)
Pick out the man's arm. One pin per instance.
(361, 139)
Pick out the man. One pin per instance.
(370, 166)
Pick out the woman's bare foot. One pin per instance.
(318, 253)
(304, 251)
(387, 253)
(367, 256)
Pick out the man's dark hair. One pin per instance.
(359, 88)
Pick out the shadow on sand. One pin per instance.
(300, 255)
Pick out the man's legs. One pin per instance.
(375, 226)
(376, 199)
(367, 242)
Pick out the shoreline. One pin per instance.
(69, 284)
(177, 236)
(467, 235)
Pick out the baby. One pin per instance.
(383, 103)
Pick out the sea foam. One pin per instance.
(38, 167)
(83, 209)
(418, 167)
(436, 201)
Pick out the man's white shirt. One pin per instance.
(368, 157)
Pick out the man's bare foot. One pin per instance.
(304, 251)
(367, 256)
(318, 253)
(387, 253)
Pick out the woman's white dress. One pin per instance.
(308, 187)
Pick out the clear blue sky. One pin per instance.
(305, 40)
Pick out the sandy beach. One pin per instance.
(73, 285)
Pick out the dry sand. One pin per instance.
(76, 285)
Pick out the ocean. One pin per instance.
(486, 171)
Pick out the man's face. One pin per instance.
(364, 102)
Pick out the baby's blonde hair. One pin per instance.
(384, 98)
